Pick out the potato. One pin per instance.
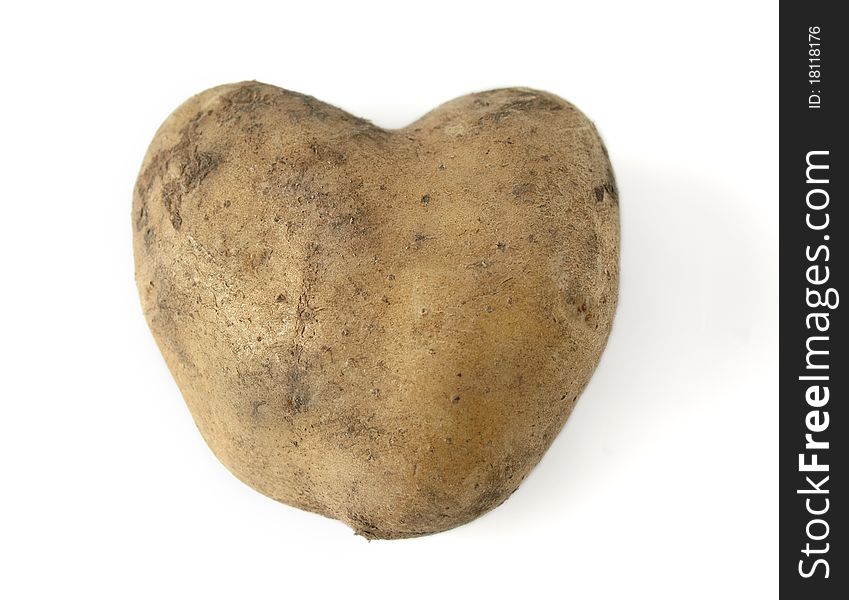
(386, 327)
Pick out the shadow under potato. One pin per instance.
(694, 291)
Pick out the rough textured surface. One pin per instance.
(387, 327)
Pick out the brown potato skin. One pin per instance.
(386, 327)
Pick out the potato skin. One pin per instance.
(386, 327)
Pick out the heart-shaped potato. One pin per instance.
(387, 327)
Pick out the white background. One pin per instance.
(663, 483)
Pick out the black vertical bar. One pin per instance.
(814, 371)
